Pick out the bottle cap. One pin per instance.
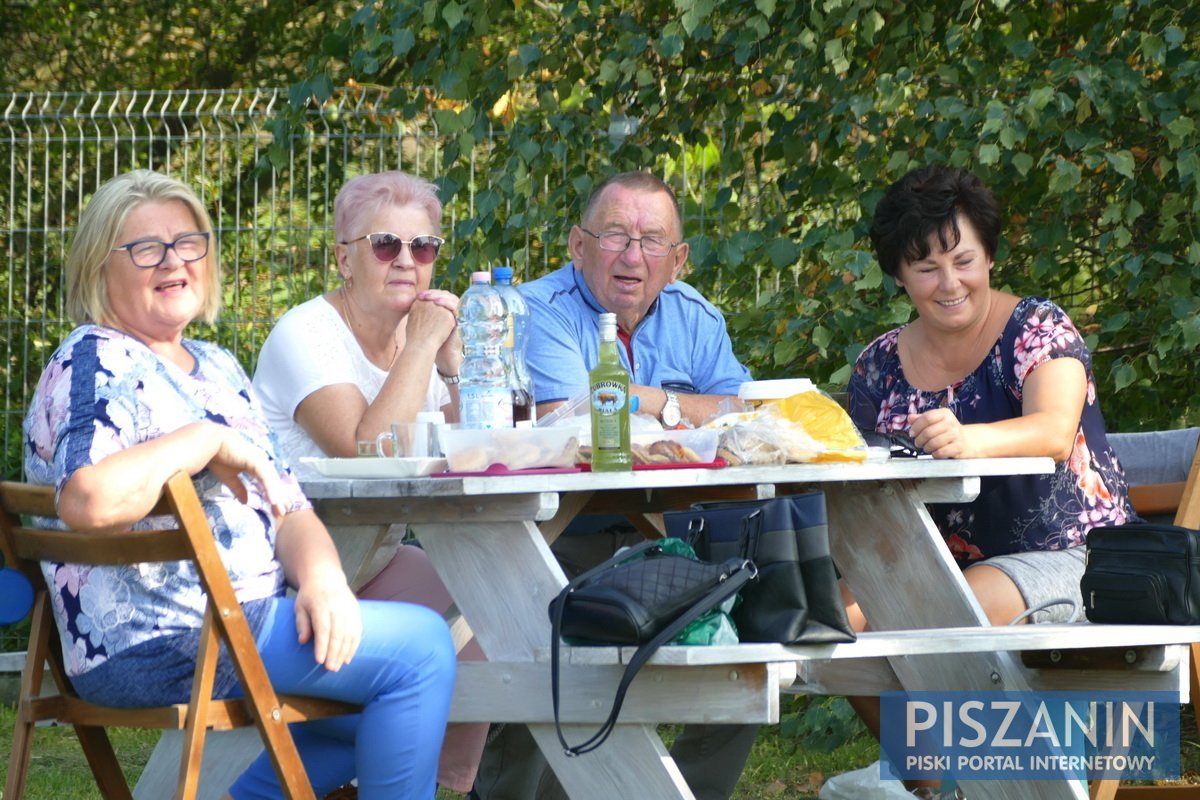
(482, 276)
(608, 326)
(503, 274)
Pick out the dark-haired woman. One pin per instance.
(983, 373)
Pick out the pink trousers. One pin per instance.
(410, 577)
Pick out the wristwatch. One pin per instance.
(670, 414)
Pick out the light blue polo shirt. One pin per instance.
(681, 344)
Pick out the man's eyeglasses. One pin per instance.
(618, 242)
(386, 246)
(149, 253)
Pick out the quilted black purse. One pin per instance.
(641, 596)
(795, 598)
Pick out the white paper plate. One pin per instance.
(375, 467)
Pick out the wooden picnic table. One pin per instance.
(482, 534)
(488, 537)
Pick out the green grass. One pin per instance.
(57, 768)
(780, 767)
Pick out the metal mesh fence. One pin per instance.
(58, 148)
(273, 230)
(272, 225)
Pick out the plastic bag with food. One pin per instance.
(804, 428)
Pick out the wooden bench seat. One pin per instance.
(1114, 657)
(875, 644)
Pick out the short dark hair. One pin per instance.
(928, 201)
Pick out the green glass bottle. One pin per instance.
(609, 385)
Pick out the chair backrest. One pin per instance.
(1159, 466)
(26, 544)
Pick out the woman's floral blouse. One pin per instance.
(1015, 513)
(104, 391)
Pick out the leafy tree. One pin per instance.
(791, 118)
(67, 45)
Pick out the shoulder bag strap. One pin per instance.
(729, 587)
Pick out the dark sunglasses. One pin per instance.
(898, 444)
(387, 246)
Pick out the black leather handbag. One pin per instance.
(1142, 573)
(641, 596)
(795, 598)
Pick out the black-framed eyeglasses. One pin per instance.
(387, 246)
(618, 242)
(149, 253)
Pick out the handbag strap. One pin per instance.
(726, 589)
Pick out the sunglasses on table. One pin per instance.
(899, 445)
(149, 253)
(387, 246)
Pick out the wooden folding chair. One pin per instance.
(1157, 500)
(224, 623)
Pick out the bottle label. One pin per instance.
(486, 408)
(608, 398)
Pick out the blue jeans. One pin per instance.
(402, 675)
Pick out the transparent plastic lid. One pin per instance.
(774, 390)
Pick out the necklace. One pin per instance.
(347, 316)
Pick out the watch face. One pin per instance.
(670, 412)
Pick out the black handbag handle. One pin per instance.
(726, 589)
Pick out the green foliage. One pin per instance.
(788, 120)
(823, 724)
(66, 45)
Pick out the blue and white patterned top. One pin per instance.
(1016, 513)
(104, 391)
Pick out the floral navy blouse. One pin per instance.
(104, 391)
(1015, 513)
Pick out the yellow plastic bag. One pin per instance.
(804, 428)
(828, 423)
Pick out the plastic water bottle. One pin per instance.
(519, 380)
(608, 382)
(485, 400)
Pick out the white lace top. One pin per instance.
(310, 348)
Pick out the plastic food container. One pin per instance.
(474, 450)
(699, 441)
(755, 393)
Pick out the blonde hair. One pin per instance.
(100, 225)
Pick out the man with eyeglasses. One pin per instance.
(628, 253)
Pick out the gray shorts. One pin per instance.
(1044, 575)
